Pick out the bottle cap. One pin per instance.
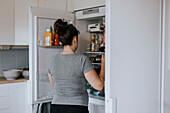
(51, 29)
(48, 30)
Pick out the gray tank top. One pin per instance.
(68, 71)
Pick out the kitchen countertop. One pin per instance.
(4, 81)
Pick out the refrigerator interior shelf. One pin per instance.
(98, 53)
(96, 63)
(51, 46)
(96, 31)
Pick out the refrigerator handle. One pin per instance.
(112, 105)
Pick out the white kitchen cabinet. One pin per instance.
(22, 21)
(4, 88)
(70, 5)
(4, 102)
(83, 4)
(133, 56)
(4, 98)
(53, 4)
(17, 97)
(13, 98)
(7, 22)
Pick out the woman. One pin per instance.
(68, 72)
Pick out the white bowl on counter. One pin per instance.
(25, 73)
(12, 74)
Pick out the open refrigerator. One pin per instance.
(40, 19)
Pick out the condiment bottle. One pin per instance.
(48, 38)
(102, 47)
(56, 40)
(92, 44)
(97, 43)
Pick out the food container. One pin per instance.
(25, 73)
(12, 74)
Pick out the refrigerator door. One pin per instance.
(133, 56)
(166, 60)
(40, 20)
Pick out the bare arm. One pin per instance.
(92, 77)
(51, 80)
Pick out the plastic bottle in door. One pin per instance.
(48, 38)
(56, 41)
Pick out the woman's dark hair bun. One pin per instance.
(65, 31)
(58, 24)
